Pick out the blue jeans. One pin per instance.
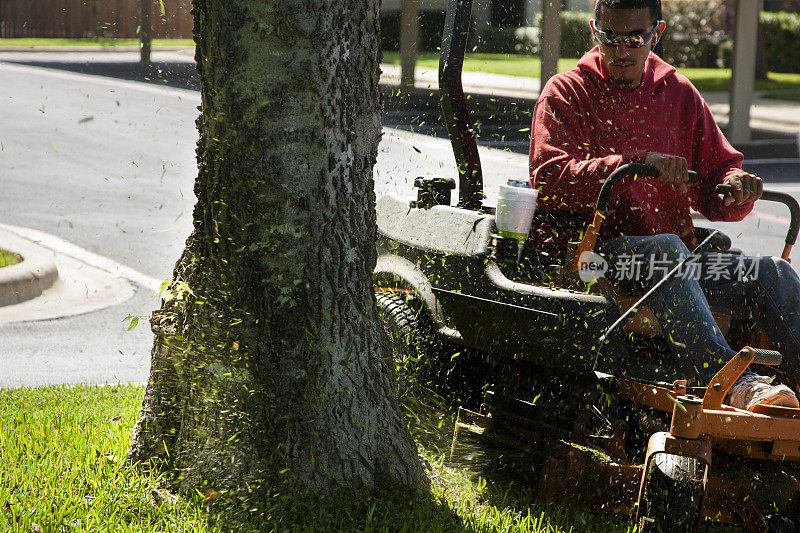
(762, 289)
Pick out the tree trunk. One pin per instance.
(409, 44)
(270, 368)
(145, 30)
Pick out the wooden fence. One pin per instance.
(92, 18)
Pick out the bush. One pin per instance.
(524, 40)
(783, 41)
(576, 37)
(695, 31)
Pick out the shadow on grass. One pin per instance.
(504, 475)
(386, 512)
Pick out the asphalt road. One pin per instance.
(109, 166)
(98, 158)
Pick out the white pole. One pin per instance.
(409, 43)
(743, 70)
(550, 38)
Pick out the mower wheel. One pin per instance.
(673, 494)
(402, 324)
(454, 372)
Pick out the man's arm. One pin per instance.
(716, 161)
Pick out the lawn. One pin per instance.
(705, 79)
(7, 258)
(62, 467)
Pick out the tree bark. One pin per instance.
(145, 30)
(269, 368)
(409, 44)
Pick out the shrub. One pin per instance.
(695, 31)
(524, 40)
(782, 41)
(576, 37)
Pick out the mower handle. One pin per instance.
(766, 357)
(623, 172)
(590, 235)
(774, 196)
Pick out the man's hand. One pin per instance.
(673, 170)
(746, 188)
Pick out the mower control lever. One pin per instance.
(767, 357)
(780, 197)
(628, 170)
(591, 233)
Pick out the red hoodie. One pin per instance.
(585, 126)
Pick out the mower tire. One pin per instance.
(406, 330)
(454, 372)
(399, 320)
(673, 495)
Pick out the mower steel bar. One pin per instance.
(623, 172)
(589, 240)
(454, 105)
(663, 281)
(783, 198)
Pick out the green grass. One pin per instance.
(61, 467)
(718, 79)
(7, 258)
(61, 464)
(705, 79)
(92, 42)
(511, 64)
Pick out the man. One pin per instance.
(623, 104)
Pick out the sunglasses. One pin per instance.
(632, 40)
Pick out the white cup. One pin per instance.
(515, 207)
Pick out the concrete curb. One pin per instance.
(51, 284)
(29, 278)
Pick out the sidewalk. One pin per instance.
(779, 116)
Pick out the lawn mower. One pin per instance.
(575, 368)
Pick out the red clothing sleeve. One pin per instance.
(715, 161)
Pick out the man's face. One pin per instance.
(625, 64)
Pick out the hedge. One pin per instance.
(695, 31)
(782, 31)
(692, 38)
(576, 38)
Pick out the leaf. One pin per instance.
(210, 495)
(134, 322)
(163, 11)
